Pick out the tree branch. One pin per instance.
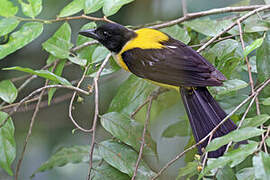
(29, 133)
(143, 136)
(261, 8)
(190, 16)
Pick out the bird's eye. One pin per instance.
(106, 34)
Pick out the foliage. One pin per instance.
(115, 158)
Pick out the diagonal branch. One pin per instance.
(29, 133)
(261, 8)
(143, 136)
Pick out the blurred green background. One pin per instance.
(53, 128)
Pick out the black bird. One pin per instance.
(154, 55)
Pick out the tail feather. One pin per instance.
(204, 115)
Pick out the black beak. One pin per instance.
(90, 33)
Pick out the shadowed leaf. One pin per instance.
(42, 73)
(123, 158)
(235, 136)
(8, 91)
(27, 33)
(128, 131)
(7, 144)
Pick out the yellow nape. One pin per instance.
(146, 39)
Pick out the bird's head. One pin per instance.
(112, 35)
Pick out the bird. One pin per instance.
(155, 56)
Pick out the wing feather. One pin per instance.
(178, 66)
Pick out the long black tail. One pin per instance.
(205, 114)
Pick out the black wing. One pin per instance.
(176, 64)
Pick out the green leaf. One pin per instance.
(266, 101)
(128, 131)
(72, 8)
(99, 54)
(228, 87)
(130, 95)
(67, 155)
(178, 33)
(57, 71)
(123, 158)
(189, 170)
(27, 33)
(8, 91)
(226, 56)
(59, 44)
(42, 73)
(208, 27)
(246, 174)
(261, 164)
(256, 25)
(107, 172)
(231, 158)
(235, 136)
(174, 129)
(7, 144)
(7, 8)
(86, 52)
(111, 7)
(262, 60)
(255, 121)
(7, 25)
(77, 60)
(257, 43)
(190, 154)
(226, 173)
(32, 8)
(223, 50)
(91, 6)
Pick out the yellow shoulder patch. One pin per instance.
(146, 39)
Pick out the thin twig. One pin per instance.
(29, 133)
(248, 65)
(213, 130)
(184, 7)
(84, 45)
(95, 115)
(250, 76)
(143, 137)
(83, 16)
(206, 154)
(190, 16)
(261, 8)
(218, 40)
(264, 138)
(242, 120)
(72, 100)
